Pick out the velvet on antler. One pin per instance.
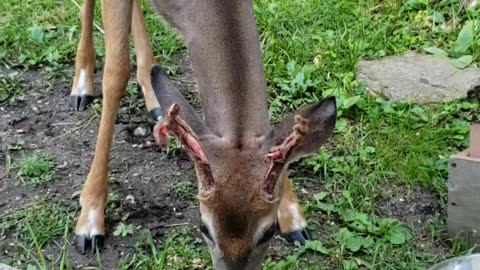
(174, 125)
(278, 155)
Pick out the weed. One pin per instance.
(123, 229)
(34, 170)
(11, 88)
(183, 188)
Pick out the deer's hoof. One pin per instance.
(157, 114)
(80, 103)
(299, 236)
(84, 243)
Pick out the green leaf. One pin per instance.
(320, 196)
(349, 102)
(420, 113)
(465, 38)
(396, 236)
(36, 33)
(341, 124)
(349, 265)
(462, 62)
(437, 17)
(415, 4)
(435, 51)
(326, 207)
(31, 267)
(354, 243)
(316, 246)
(368, 242)
(343, 235)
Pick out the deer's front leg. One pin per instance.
(145, 60)
(293, 225)
(82, 90)
(116, 20)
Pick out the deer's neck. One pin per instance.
(224, 47)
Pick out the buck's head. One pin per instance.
(240, 178)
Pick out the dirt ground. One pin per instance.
(45, 124)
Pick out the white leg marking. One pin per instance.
(298, 222)
(82, 82)
(90, 228)
(92, 216)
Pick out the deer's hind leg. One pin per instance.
(117, 17)
(82, 92)
(145, 60)
(291, 220)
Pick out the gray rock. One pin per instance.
(140, 132)
(419, 78)
(6, 267)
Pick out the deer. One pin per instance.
(241, 160)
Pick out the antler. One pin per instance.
(173, 124)
(278, 156)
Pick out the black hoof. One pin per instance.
(157, 114)
(297, 236)
(83, 243)
(97, 242)
(139, 90)
(80, 103)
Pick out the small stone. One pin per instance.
(140, 132)
(130, 199)
(63, 165)
(179, 215)
(75, 194)
(20, 131)
(6, 267)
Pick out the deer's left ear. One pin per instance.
(298, 135)
(303, 132)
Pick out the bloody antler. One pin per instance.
(279, 154)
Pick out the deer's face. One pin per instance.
(237, 220)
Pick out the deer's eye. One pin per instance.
(206, 232)
(268, 234)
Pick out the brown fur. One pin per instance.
(85, 58)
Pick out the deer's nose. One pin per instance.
(238, 262)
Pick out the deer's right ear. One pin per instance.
(167, 94)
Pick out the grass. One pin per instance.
(180, 250)
(35, 228)
(183, 189)
(10, 89)
(34, 170)
(310, 50)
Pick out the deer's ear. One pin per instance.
(300, 134)
(303, 132)
(167, 94)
